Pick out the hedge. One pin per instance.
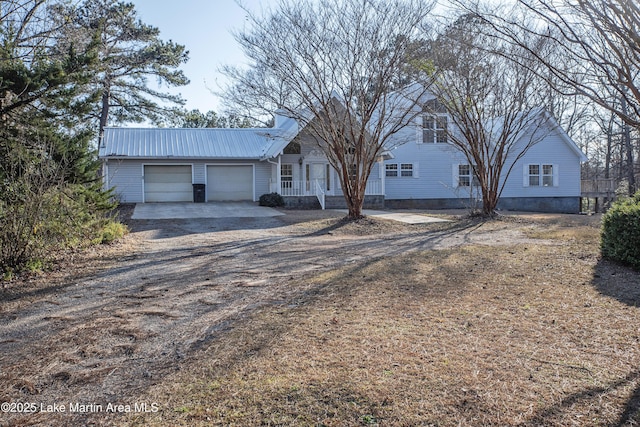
(621, 231)
(272, 200)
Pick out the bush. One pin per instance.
(621, 231)
(36, 222)
(110, 232)
(272, 200)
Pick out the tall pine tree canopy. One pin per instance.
(67, 70)
(130, 53)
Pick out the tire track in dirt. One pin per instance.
(110, 335)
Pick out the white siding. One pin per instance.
(437, 178)
(126, 175)
(433, 163)
(551, 151)
(262, 174)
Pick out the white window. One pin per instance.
(547, 175)
(434, 129)
(353, 172)
(534, 175)
(406, 169)
(286, 176)
(540, 175)
(464, 176)
(391, 169)
(286, 172)
(467, 176)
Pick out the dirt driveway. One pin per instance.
(110, 326)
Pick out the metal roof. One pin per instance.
(207, 143)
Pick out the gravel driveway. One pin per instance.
(173, 287)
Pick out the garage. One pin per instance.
(168, 183)
(229, 182)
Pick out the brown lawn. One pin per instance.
(523, 334)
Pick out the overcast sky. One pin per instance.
(204, 27)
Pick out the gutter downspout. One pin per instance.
(278, 171)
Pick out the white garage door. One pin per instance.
(230, 182)
(164, 183)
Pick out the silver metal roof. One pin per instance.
(211, 143)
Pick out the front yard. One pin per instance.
(312, 322)
(527, 334)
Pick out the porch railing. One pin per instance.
(602, 186)
(308, 188)
(319, 193)
(293, 188)
(374, 187)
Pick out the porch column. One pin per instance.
(383, 174)
(278, 188)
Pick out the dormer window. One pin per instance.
(434, 129)
(434, 123)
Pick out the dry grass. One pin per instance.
(536, 334)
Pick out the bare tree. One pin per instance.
(335, 66)
(599, 43)
(494, 104)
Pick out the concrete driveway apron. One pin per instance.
(202, 210)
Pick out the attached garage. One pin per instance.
(168, 183)
(230, 182)
(162, 165)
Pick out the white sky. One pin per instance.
(204, 27)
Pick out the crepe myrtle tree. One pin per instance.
(599, 43)
(492, 105)
(337, 67)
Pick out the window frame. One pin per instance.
(539, 175)
(534, 176)
(546, 178)
(435, 123)
(471, 177)
(391, 170)
(406, 170)
(286, 176)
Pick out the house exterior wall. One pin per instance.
(436, 184)
(126, 175)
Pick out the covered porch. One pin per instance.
(322, 190)
(312, 177)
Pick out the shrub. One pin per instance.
(621, 231)
(110, 232)
(271, 200)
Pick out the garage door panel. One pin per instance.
(230, 182)
(163, 183)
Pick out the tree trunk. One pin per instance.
(104, 113)
(355, 200)
(355, 208)
(626, 131)
(607, 158)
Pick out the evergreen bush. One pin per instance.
(621, 231)
(272, 200)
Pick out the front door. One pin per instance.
(318, 172)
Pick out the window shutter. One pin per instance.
(525, 175)
(556, 176)
(416, 170)
(456, 174)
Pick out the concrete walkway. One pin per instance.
(202, 210)
(406, 217)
